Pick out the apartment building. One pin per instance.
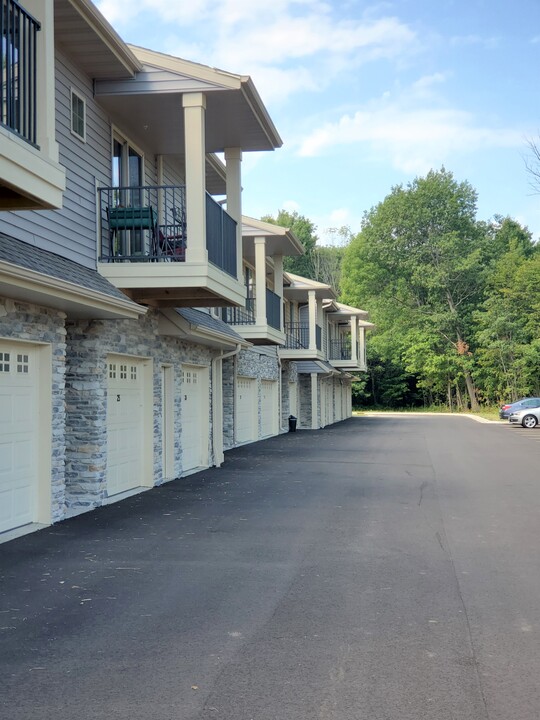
(145, 325)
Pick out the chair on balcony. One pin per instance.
(131, 221)
(172, 237)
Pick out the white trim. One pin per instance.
(60, 289)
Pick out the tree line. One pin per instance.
(455, 300)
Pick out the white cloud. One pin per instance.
(487, 42)
(291, 206)
(413, 138)
(273, 41)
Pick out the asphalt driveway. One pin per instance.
(381, 568)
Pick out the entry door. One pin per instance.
(195, 411)
(125, 414)
(268, 408)
(18, 435)
(246, 410)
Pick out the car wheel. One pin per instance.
(529, 421)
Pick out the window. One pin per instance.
(78, 115)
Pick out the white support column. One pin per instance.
(278, 286)
(43, 10)
(362, 348)
(322, 322)
(217, 411)
(354, 340)
(233, 162)
(194, 121)
(312, 315)
(260, 281)
(314, 402)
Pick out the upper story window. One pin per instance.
(78, 115)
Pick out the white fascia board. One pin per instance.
(61, 292)
(107, 34)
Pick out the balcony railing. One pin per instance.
(273, 309)
(340, 349)
(246, 315)
(148, 224)
(240, 316)
(297, 336)
(220, 237)
(18, 31)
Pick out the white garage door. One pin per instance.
(18, 435)
(195, 410)
(125, 410)
(269, 411)
(246, 410)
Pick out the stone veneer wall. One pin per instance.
(304, 400)
(289, 374)
(31, 323)
(261, 366)
(228, 402)
(89, 343)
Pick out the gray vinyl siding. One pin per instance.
(172, 175)
(71, 231)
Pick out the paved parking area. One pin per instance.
(381, 568)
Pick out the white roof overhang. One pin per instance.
(279, 240)
(150, 105)
(84, 35)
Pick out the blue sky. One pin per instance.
(368, 95)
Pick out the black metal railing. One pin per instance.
(273, 309)
(18, 90)
(297, 336)
(240, 315)
(220, 237)
(318, 337)
(149, 224)
(145, 223)
(340, 349)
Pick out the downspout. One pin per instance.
(217, 404)
(280, 395)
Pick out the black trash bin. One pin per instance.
(292, 423)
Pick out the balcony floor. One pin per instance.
(175, 284)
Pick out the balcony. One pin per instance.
(246, 323)
(30, 176)
(344, 354)
(297, 342)
(145, 243)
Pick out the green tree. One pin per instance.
(305, 231)
(419, 263)
(508, 321)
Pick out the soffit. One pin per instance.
(151, 102)
(91, 42)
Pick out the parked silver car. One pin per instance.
(527, 418)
